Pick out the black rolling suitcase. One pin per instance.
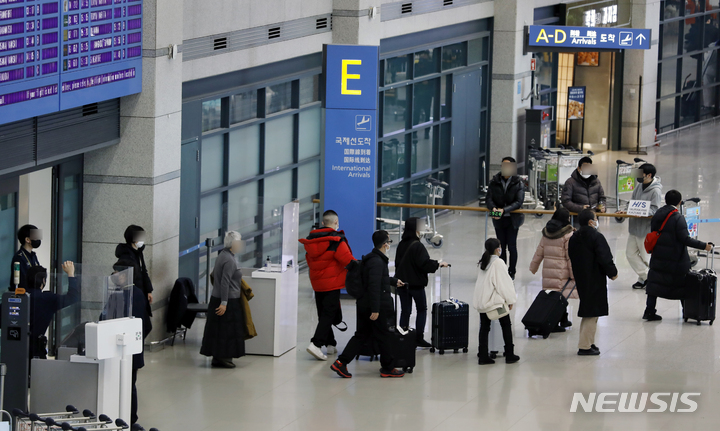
(450, 325)
(546, 311)
(700, 305)
(404, 348)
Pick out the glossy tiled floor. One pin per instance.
(179, 391)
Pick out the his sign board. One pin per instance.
(639, 208)
(349, 153)
(547, 36)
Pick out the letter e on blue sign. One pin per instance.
(351, 73)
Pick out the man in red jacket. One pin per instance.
(327, 255)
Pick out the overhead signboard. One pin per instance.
(61, 54)
(349, 154)
(588, 38)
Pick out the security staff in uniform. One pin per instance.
(30, 238)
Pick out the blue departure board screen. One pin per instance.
(61, 54)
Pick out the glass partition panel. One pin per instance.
(212, 162)
(422, 150)
(244, 154)
(310, 133)
(279, 142)
(243, 106)
(396, 69)
(278, 97)
(211, 115)
(394, 110)
(427, 62)
(425, 101)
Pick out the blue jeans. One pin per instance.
(407, 296)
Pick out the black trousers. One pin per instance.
(133, 399)
(367, 330)
(507, 235)
(650, 304)
(407, 296)
(329, 313)
(506, 326)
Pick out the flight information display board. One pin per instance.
(61, 54)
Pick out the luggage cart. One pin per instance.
(625, 183)
(436, 190)
(536, 175)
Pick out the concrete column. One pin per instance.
(510, 73)
(138, 180)
(352, 23)
(645, 14)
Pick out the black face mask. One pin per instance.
(35, 243)
(640, 180)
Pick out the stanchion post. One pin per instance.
(208, 246)
(486, 223)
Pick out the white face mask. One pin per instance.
(586, 176)
(140, 244)
(595, 224)
(498, 252)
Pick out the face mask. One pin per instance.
(596, 225)
(35, 243)
(640, 180)
(498, 252)
(585, 176)
(140, 244)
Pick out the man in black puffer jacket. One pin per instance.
(506, 193)
(669, 261)
(374, 311)
(583, 189)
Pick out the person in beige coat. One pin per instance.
(553, 249)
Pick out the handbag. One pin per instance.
(499, 312)
(651, 239)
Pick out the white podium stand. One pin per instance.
(111, 344)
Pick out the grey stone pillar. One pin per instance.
(352, 23)
(138, 180)
(510, 72)
(645, 14)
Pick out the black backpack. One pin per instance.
(354, 283)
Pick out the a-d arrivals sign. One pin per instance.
(349, 154)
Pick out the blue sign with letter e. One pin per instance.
(589, 38)
(349, 153)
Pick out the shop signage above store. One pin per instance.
(350, 152)
(62, 54)
(587, 38)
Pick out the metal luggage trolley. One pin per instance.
(537, 162)
(436, 190)
(625, 183)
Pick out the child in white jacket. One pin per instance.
(494, 289)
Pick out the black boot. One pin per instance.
(421, 342)
(510, 356)
(484, 358)
(565, 322)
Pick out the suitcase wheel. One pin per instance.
(493, 355)
(442, 352)
(465, 349)
(698, 323)
(432, 349)
(686, 319)
(711, 322)
(455, 350)
(545, 336)
(408, 370)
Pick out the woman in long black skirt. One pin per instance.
(225, 330)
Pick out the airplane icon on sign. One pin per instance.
(626, 38)
(363, 123)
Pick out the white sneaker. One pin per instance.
(331, 350)
(315, 351)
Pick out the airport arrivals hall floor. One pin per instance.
(179, 391)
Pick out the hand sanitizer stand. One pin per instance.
(112, 343)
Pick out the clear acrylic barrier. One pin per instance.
(100, 298)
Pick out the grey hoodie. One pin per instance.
(640, 227)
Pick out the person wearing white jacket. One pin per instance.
(494, 290)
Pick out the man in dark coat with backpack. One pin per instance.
(669, 261)
(592, 264)
(506, 193)
(375, 309)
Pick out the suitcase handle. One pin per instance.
(566, 285)
(710, 258)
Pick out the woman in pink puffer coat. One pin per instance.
(553, 248)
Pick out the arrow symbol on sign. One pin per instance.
(641, 38)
